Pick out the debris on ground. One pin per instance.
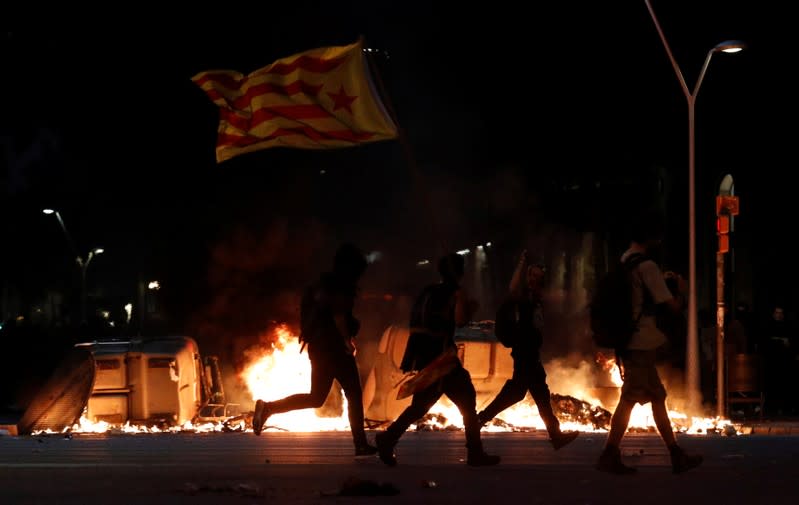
(571, 409)
(433, 422)
(732, 456)
(355, 486)
(238, 488)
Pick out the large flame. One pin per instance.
(282, 370)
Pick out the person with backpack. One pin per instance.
(328, 329)
(519, 325)
(637, 352)
(437, 311)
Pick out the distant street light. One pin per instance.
(83, 291)
(692, 344)
(82, 264)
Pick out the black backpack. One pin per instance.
(611, 307)
(506, 324)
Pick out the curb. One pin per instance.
(770, 429)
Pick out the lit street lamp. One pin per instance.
(692, 345)
(82, 264)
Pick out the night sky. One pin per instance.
(506, 108)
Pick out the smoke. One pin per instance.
(574, 375)
(581, 376)
(254, 279)
(673, 379)
(236, 391)
(505, 208)
(256, 274)
(468, 207)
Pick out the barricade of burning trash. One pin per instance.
(567, 409)
(280, 369)
(579, 415)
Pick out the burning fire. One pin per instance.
(281, 369)
(609, 365)
(85, 425)
(641, 417)
(285, 371)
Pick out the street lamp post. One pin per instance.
(692, 345)
(64, 229)
(82, 264)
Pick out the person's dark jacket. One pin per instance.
(322, 302)
(432, 326)
(528, 343)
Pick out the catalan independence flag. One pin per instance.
(319, 99)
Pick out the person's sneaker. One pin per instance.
(563, 439)
(365, 450)
(682, 462)
(610, 462)
(385, 449)
(482, 459)
(259, 417)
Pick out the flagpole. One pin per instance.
(416, 174)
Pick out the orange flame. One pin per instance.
(609, 365)
(280, 371)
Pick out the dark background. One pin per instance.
(532, 126)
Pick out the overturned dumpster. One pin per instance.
(160, 381)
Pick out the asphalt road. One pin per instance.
(295, 468)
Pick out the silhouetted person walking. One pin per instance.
(522, 318)
(438, 310)
(637, 361)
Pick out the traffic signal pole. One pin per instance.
(721, 394)
(726, 206)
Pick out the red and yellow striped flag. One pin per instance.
(318, 99)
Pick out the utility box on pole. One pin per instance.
(726, 208)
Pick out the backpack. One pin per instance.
(611, 307)
(506, 324)
(422, 347)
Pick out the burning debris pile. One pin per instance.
(280, 369)
(436, 422)
(570, 409)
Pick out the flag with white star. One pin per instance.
(319, 99)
